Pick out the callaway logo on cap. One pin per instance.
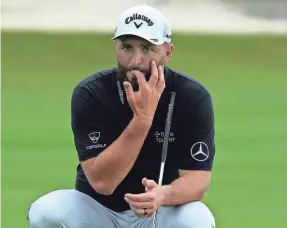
(145, 22)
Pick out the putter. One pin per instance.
(165, 145)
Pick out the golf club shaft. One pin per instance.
(159, 183)
(165, 144)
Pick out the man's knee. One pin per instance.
(41, 216)
(51, 210)
(195, 215)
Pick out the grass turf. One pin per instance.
(245, 74)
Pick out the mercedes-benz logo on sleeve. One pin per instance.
(199, 151)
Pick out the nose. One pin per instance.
(137, 59)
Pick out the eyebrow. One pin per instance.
(149, 45)
(146, 44)
(125, 40)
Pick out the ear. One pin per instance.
(116, 44)
(168, 52)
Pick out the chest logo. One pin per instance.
(159, 136)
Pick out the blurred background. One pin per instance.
(236, 48)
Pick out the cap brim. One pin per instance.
(149, 39)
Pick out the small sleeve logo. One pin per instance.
(94, 136)
(199, 151)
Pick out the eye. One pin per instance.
(147, 49)
(126, 47)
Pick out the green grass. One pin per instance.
(245, 74)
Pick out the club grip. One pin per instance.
(167, 126)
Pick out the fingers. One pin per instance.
(142, 209)
(141, 205)
(143, 213)
(140, 79)
(156, 79)
(149, 183)
(129, 91)
(143, 197)
(161, 82)
(154, 74)
(138, 202)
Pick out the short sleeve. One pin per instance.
(195, 137)
(91, 129)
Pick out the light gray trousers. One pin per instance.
(73, 209)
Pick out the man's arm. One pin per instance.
(110, 167)
(195, 151)
(106, 169)
(196, 147)
(190, 186)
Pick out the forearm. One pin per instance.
(111, 166)
(183, 190)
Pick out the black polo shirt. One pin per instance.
(100, 113)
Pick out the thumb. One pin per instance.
(149, 184)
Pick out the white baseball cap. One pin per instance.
(145, 22)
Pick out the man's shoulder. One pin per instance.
(99, 77)
(187, 84)
(97, 86)
(192, 95)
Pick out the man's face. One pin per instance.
(134, 53)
